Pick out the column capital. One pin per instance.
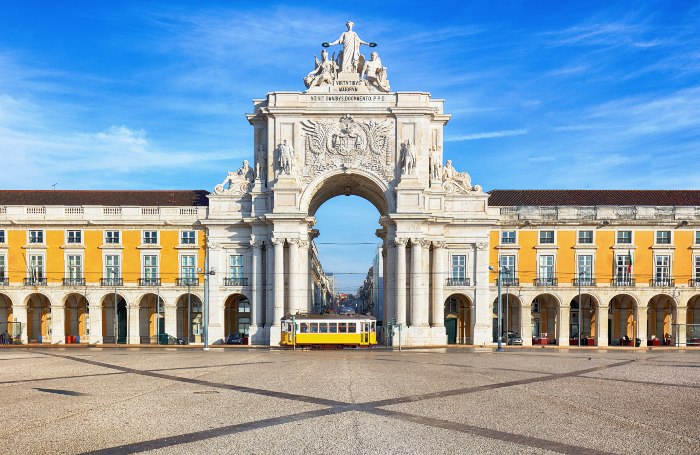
(425, 243)
(256, 243)
(293, 241)
(400, 242)
(482, 246)
(303, 243)
(440, 244)
(275, 241)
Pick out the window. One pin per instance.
(322, 327)
(75, 266)
(36, 236)
(150, 237)
(314, 327)
(2, 236)
(235, 266)
(585, 268)
(112, 237)
(662, 275)
(624, 237)
(244, 326)
(585, 237)
(36, 267)
(112, 266)
(546, 269)
(74, 237)
(244, 306)
(508, 237)
(342, 327)
(507, 262)
(697, 237)
(2, 267)
(459, 267)
(304, 327)
(623, 266)
(546, 237)
(187, 267)
(663, 237)
(150, 267)
(697, 269)
(352, 327)
(332, 327)
(187, 238)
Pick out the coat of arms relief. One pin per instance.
(347, 143)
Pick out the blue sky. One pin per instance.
(543, 94)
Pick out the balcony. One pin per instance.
(458, 282)
(187, 281)
(4, 281)
(509, 282)
(549, 281)
(583, 282)
(694, 282)
(235, 281)
(149, 281)
(74, 281)
(111, 282)
(659, 282)
(35, 281)
(622, 281)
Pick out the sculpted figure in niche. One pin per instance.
(408, 158)
(261, 166)
(462, 178)
(286, 158)
(237, 181)
(435, 164)
(349, 58)
(375, 73)
(323, 74)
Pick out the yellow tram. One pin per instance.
(339, 330)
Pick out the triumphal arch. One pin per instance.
(348, 133)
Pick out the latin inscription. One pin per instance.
(350, 98)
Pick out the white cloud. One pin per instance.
(486, 135)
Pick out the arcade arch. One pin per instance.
(545, 319)
(115, 320)
(511, 316)
(458, 319)
(622, 320)
(588, 313)
(151, 318)
(662, 311)
(189, 318)
(693, 317)
(6, 317)
(76, 318)
(38, 318)
(237, 315)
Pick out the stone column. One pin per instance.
(400, 281)
(418, 297)
(170, 313)
(483, 298)
(526, 324)
(19, 313)
(681, 320)
(278, 283)
(132, 328)
(58, 329)
(95, 321)
(386, 311)
(294, 288)
(256, 312)
(563, 324)
(641, 321)
(601, 332)
(438, 297)
(269, 286)
(303, 280)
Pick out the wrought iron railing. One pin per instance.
(458, 282)
(509, 282)
(584, 282)
(35, 281)
(112, 282)
(149, 281)
(74, 281)
(694, 282)
(187, 281)
(4, 281)
(622, 281)
(235, 281)
(662, 282)
(548, 281)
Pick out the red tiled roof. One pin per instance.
(501, 198)
(160, 198)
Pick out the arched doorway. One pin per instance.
(38, 319)
(586, 315)
(237, 315)
(114, 320)
(693, 317)
(511, 317)
(458, 319)
(189, 308)
(661, 314)
(545, 319)
(7, 320)
(622, 321)
(76, 318)
(151, 318)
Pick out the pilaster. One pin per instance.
(96, 335)
(419, 299)
(641, 320)
(601, 333)
(526, 324)
(563, 326)
(400, 268)
(19, 313)
(133, 328)
(294, 287)
(482, 301)
(438, 297)
(58, 332)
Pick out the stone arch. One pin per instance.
(693, 317)
(151, 322)
(588, 313)
(38, 317)
(662, 312)
(622, 319)
(115, 321)
(347, 182)
(511, 315)
(189, 310)
(6, 318)
(545, 318)
(237, 312)
(458, 316)
(76, 318)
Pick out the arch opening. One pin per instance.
(114, 319)
(622, 321)
(458, 314)
(583, 320)
(237, 313)
(76, 319)
(189, 319)
(511, 319)
(545, 319)
(151, 318)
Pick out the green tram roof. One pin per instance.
(299, 317)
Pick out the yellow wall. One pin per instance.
(93, 255)
(566, 256)
(16, 263)
(604, 257)
(643, 255)
(131, 256)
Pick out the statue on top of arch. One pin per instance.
(350, 67)
(240, 181)
(455, 181)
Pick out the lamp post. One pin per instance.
(207, 273)
(500, 308)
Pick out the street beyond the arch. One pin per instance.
(465, 400)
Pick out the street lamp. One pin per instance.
(207, 273)
(500, 306)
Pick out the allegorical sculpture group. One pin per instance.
(348, 63)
